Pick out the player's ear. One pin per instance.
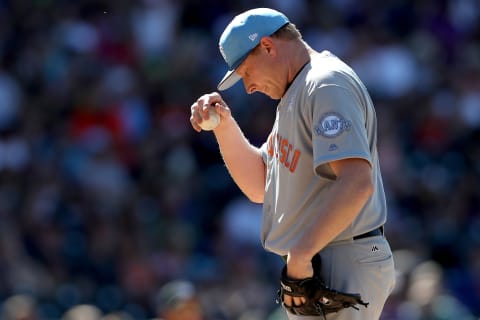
(268, 45)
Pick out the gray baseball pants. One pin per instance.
(362, 266)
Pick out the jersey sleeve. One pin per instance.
(264, 151)
(339, 128)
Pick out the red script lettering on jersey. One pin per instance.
(283, 151)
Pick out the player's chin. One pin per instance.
(269, 94)
(273, 93)
(274, 96)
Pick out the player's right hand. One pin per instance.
(199, 110)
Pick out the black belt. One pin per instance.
(373, 233)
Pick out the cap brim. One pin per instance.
(230, 78)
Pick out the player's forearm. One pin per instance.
(346, 198)
(243, 160)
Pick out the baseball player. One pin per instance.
(318, 173)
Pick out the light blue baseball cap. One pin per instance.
(242, 35)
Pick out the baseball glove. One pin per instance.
(320, 300)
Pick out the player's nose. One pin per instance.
(249, 87)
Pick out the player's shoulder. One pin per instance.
(326, 69)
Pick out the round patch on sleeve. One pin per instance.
(332, 124)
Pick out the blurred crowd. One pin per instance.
(107, 194)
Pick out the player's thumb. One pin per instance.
(223, 110)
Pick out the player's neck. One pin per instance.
(300, 56)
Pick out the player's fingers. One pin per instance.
(212, 99)
(205, 111)
(298, 301)
(196, 117)
(293, 301)
(196, 113)
(204, 104)
(287, 300)
(194, 124)
(209, 98)
(222, 109)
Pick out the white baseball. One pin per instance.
(212, 122)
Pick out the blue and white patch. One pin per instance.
(332, 124)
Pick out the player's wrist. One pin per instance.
(301, 254)
(299, 265)
(226, 124)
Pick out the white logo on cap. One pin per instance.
(253, 36)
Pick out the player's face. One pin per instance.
(261, 72)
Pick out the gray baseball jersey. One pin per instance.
(325, 115)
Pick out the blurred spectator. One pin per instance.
(177, 300)
(19, 307)
(155, 26)
(117, 316)
(10, 100)
(83, 312)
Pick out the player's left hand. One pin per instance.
(297, 269)
(311, 297)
